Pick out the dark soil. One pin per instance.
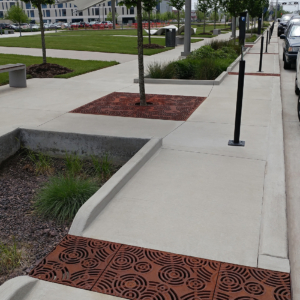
(153, 46)
(34, 235)
(46, 70)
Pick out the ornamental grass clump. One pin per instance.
(62, 196)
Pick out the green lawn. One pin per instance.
(79, 66)
(86, 41)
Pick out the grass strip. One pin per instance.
(79, 66)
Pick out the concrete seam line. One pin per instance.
(93, 207)
(17, 288)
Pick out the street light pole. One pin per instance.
(187, 29)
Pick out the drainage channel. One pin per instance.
(139, 273)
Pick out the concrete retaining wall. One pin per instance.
(59, 143)
(9, 144)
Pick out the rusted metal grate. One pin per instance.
(164, 107)
(138, 273)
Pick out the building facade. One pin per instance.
(66, 12)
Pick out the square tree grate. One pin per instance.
(137, 273)
(163, 107)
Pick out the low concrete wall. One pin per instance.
(9, 144)
(59, 143)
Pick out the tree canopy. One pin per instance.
(16, 14)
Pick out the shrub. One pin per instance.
(208, 52)
(160, 70)
(10, 257)
(62, 196)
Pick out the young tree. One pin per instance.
(215, 6)
(17, 15)
(138, 5)
(254, 9)
(234, 7)
(204, 6)
(38, 4)
(148, 7)
(178, 4)
(110, 18)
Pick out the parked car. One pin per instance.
(106, 23)
(291, 45)
(94, 23)
(291, 22)
(4, 26)
(283, 22)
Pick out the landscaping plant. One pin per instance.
(74, 164)
(41, 161)
(62, 196)
(103, 166)
(10, 257)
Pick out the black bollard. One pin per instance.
(261, 53)
(267, 41)
(270, 38)
(238, 113)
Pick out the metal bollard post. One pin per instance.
(267, 41)
(238, 113)
(261, 53)
(270, 38)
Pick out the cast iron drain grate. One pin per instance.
(164, 107)
(137, 273)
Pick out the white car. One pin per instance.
(297, 83)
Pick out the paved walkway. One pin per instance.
(72, 54)
(196, 196)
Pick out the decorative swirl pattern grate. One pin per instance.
(164, 107)
(137, 273)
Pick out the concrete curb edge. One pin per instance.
(93, 207)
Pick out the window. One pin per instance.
(47, 13)
(28, 6)
(64, 12)
(44, 13)
(66, 5)
(93, 12)
(1, 14)
(105, 11)
(122, 10)
(56, 13)
(80, 13)
(70, 5)
(109, 3)
(44, 6)
(97, 11)
(32, 14)
(89, 11)
(132, 10)
(59, 12)
(295, 31)
(60, 5)
(11, 4)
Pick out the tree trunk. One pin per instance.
(140, 54)
(20, 29)
(233, 28)
(42, 33)
(178, 18)
(149, 28)
(204, 25)
(252, 27)
(215, 19)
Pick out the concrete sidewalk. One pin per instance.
(196, 196)
(71, 54)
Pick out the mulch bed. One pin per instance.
(164, 107)
(35, 236)
(153, 46)
(46, 70)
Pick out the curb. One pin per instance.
(93, 207)
(17, 288)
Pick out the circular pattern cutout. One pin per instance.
(195, 284)
(97, 244)
(282, 293)
(254, 288)
(123, 261)
(162, 288)
(230, 282)
(143, 267)
(195, 262)
(175, 275)
(90, 263)
(73, 255)
(130, 282)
